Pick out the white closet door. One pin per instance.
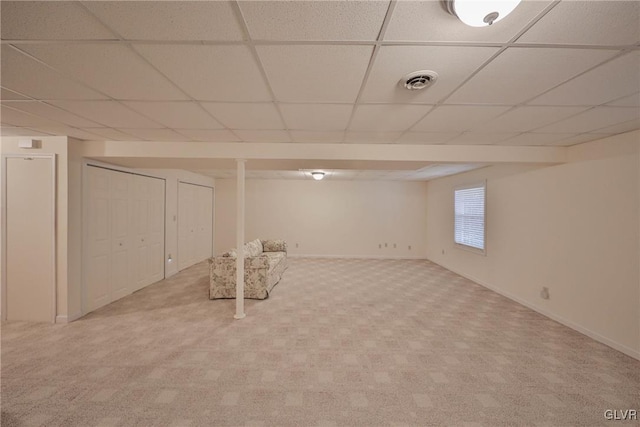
(120, 184)
(98, 261)
(195, 224)
(156, 230)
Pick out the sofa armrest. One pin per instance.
(274, 246)
(256, 262)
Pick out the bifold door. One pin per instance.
(195, 224)
(125, 235)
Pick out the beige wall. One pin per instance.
(573, 228)
(328, 218)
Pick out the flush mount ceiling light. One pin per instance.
(317, 175)
(480, 13)
(419, 79)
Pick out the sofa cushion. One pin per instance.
(274, 245)
(253, 248)
(231, 254)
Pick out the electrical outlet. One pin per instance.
(409, 247)
(544, 293)
(443, 252)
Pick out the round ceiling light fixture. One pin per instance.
(419, 80)
(317, 175)
(481, 13)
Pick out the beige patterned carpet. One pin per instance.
(339, 342)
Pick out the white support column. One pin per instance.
(240, 240)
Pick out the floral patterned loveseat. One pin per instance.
(265, 262)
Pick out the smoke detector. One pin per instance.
(419, 80)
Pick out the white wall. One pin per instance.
(573, 228)
(328, 218)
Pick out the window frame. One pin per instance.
(473, 249)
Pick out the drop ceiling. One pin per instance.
(550, 74)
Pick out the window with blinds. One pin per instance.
(469, 216)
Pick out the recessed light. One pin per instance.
(480, 13)
(317, 175)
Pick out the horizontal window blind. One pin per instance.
(469, 216)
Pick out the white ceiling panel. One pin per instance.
(453, 65)
(317, 136)
(603, 84)
(429, 21)
(314, 20)
(113, 69)
(371, 137)
(519, 74)
(522, 119)
(457, 118)
(210, 73)
(18, 131)
(53, 113)
(176, 114)
(627, 101)
(593, 120)
(326, 117)
(533, 139)
(427, 137)
(315, 73)
(7, 95)
(25, 75)
(387, 118)
(50, 20)
(155, 134)
(169, 20)
(209, 135)
(111, 134)
(17, 118)
(588, 23)
(263, 135)
(246, 116)
(623, 127)
(108, 113)
(78, 133)
(480, 138)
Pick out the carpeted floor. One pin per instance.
(339, 342)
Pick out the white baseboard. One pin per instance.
(354, 256)
(67, 319)
(576, 327)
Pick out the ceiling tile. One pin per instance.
(17, 118)
(78, 133)
(480, 138)
(623, 127)
(316, 116)
(593, 119)
(107, 113)
(381, 117)
(317, 136)
(427, 137)
(176, 114)
(111, 134)
(453, 65)
(263, 135)
(454, 118)
(532, 139)
(155, 134)
(245, 116)
(7, 95)
(315, 73)
(25, 75)
(169, 20)
(50, 20)
(603, 84)
(209, 135)
(522, 119)
(588, 23)
(113, 69)
(50, 112)
(18, 131)
(627, 101)
(519, 74)
(429, 21)
(314, 20)
(372, 137)
(210, 73)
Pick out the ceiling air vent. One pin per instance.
(419, 79)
